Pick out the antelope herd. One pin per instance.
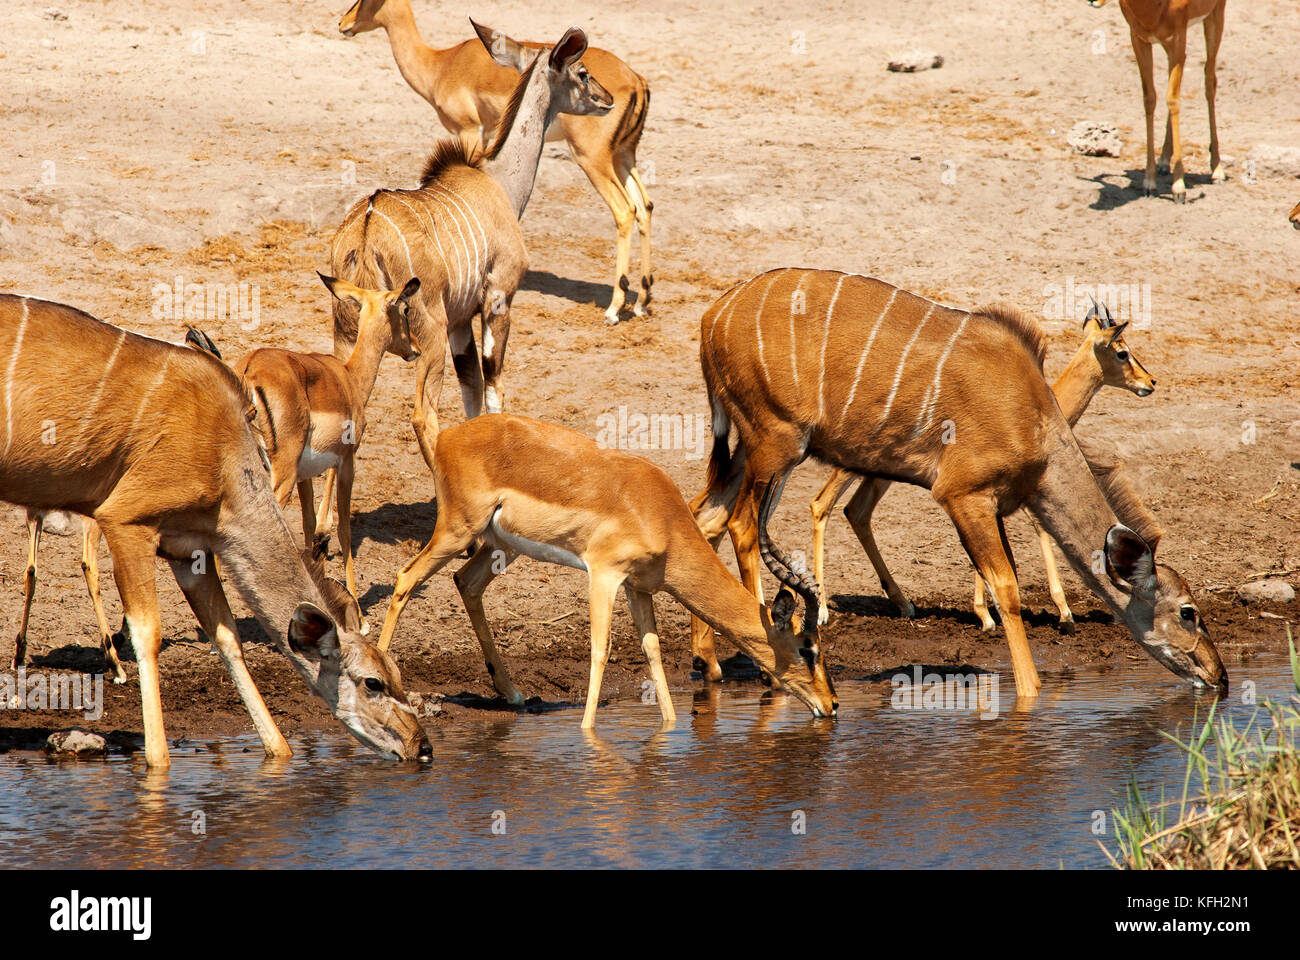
(168, 451)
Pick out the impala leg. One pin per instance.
(464, 357)
(496, 333)
(642, 208)
(323, 527)
(444, 546)
(35, 520)
(712, 508)
(1177, 52)
(133, 550)
(984, 538)
(307, 501)
(603, 590)
(428, 368)
(600, 171)
(472, 580)
(643, 615)
(1146, 68)
(208, 601)
(1064, 616)
(987, 623)
(346, 475)
(821, 507)
(859, 510)
(1213, 26)
(90, 570)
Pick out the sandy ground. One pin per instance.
(220, 143)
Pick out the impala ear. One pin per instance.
(1130, 561)
(313, 634)
(783, 607)
(501, 48)
(341, 289)
(570, 48)
(1117, 331)
(411, 289)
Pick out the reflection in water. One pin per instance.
(730, 787)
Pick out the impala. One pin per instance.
(875, 380)
(508, 485)
(469, 85)
(1166, 22)
(154, 442)
(1103, 359)
(312, 407)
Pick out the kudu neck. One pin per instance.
(514, 165)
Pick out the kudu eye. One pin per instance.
(1188, 613)
(374, 685)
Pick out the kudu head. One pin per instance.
(1161, 611)
(360, 683)
(378, 309)
(573, 88)
(795, 641)
(1118, 365)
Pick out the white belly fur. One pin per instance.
(313, 463)
(545, 552)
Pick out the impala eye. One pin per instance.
(374, 685)
(1188, 614)
(1121, 354)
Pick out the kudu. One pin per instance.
(877, 381)
(154, 442)
(508, 485)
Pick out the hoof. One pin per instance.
(1066, 625)
(823, 616)
(988, 627)
(515, 699)
(908, 609)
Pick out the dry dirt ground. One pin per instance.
(220, 143)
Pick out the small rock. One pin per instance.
(53, 13)
(1095, 139)
(1278, 591)
(913, 61)
(81, 743)
(1265, 161)
(58, 523)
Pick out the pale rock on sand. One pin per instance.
(913, 61)
(1278, 591)
(1093, 138)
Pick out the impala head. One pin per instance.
(362, 17)
(573, 88)
(360, 683)
(795, 641)
(1295, 216)
(1161, 611)
(1118, 365)
(391, 307)
(1097, 3)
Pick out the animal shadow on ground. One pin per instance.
(575, 291)
(392, 523)
(863, 606)
(475, 701)
(1112, 194)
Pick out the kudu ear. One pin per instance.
(313, 633)
(1130, 561)
(501, 48)
(783, 607)
(570, 48)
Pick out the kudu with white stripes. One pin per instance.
(154, 442)
(878, 381)
(510, 485)
(458, 232)
(1103, 359)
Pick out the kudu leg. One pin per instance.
(643, 615)
(469, 371)
(90, 535)
(472, 580)
(712, 508)
(821, 507)
(35, 520)
(984, 538)
(208, 601)
(858, 511)
(496, 334)
(981, 607)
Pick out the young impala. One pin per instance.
(312, 407)
(154, 442)
(878, 381)
(1103, 359)
(508, 485)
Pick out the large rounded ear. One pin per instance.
(1130, 561)
(783, 607)
(570, 48)
(501, 48)
(411, 289)
(313, 633)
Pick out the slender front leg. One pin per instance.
(603, 590)
(464, 357)
(208, 601)
(90, 570)
(644, 208)
(35, 520)
(1177, 52)
(443, 547)
(346, 469)
(821, 506)
(987, 624)
(323, 527)
(1064, 616)
(1146, 68)
(643, 615)
(133, 550)
(859, 510)
(1213, 35)
(433, 354)
(496, 333)
(599, 168)
(307, 502)
(472, 580)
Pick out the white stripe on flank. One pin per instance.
(714, 328)
(862, 360)
(826, 335)
(409, 265)
(462, 275)
(108, 368)
(9, 379)
(932, 395)
(898, 374)
(431, 230)
(144, 397)
(794, 365)
(758, 323)
(481, 232)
